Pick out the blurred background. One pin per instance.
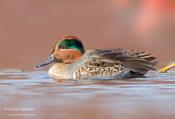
(28, 28)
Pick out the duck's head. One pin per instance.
(66, 50)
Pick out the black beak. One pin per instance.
(50, 60)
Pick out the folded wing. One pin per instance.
(134, 60)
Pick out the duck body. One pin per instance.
(105, 64)
(98, 63)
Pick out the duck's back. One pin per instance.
(114, 63)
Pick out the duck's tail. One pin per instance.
(166, 68)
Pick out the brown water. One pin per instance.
(35, 95)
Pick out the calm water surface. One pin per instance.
(35, 95)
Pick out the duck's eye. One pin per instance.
(62, 47)
(65, 44)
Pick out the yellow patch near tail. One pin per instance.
(166, 68)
